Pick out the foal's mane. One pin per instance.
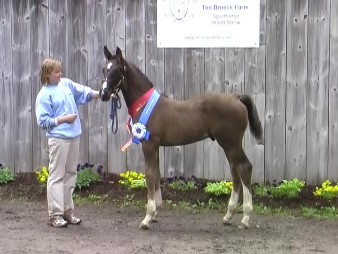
(133, 66)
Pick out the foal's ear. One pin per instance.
(107, 54)
(118, 53)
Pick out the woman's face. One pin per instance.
(55, 76)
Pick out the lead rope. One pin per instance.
(115, 105)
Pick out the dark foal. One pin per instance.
(221, 117)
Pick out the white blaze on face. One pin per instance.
(109, 65)
(104, 85)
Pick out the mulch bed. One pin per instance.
(26, 186)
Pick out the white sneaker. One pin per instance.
(57, 222)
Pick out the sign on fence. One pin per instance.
(207, 23)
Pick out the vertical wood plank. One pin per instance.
(194, 88)
(116, 22)
(7, 90)
(234, 78)
(234, 70)
(174, 89)
(255, 87)
(58, 36)
(275, 90)
(77, 53)
(215, 165)
(22, 85)
(154, 58)
(333, 94)
(295, 159)
(97, 110)
(135, 53)
(318, 78)
(40, 51)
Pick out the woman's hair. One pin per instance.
(47, 66)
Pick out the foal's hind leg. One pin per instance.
(241, 170)
(152, 179)
(235, 192)
(245, 172)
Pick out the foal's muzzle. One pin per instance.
(103, 93)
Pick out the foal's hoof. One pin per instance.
(226, 223)
(144, 226)
(153, 221)
(243, 226)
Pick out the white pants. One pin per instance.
(63, 160)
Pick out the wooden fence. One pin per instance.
(292, 77)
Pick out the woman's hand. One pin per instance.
(66, 119)
(95, 94)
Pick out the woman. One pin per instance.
(57, 114)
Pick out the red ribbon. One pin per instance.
(140, 102)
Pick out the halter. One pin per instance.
(118, 87)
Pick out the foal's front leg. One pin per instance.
(158, 194)
(150, 156)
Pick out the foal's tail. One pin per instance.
(254, 122)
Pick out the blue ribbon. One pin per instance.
(146, 114)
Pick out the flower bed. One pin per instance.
(26, 186)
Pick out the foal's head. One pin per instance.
(114, 72)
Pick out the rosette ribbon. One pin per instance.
(139, 130)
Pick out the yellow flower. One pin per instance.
(318, 192)
(326, 184)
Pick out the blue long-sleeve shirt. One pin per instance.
(58, 100)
